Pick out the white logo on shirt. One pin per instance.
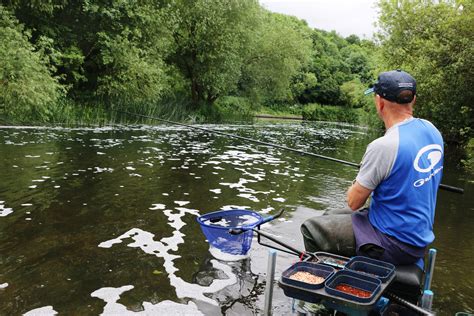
(434, 153)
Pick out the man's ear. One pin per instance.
(379, 103)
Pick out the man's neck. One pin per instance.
(393, 120)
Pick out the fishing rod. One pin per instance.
(302, 152)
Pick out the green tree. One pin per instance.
(211, 42)
(433, 40)
(27, 88)
(329, 67)
(114, 50)
(279, 51)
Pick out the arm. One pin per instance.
(357, 195)
(376, 166)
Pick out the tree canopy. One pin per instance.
(198, 52)
(433, 40)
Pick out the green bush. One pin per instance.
(27, 88)
(432, 40)
(468, 162)
(318, 112)
(281, 109)
(232, 108)
(353, 94)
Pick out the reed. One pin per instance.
(318, 112)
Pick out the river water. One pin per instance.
(103, 221)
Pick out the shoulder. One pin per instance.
(426, 122)
(389, 141)
(425, 126)
(430, 125)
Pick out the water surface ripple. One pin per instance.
(103, 220)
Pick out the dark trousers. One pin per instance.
(331, 232)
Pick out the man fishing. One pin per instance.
(401, 171)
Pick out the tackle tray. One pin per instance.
(375, 268)
(322, 296)
(316, 269)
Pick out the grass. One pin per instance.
(281, 110)
(71, 113)
(318, 112)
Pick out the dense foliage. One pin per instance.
(433, 40)
(317, 112)
(201, 58)
(154, 51)
(27, 86)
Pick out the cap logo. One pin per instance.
(405, 85)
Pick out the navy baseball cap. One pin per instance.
(396, 86)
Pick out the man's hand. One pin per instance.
(357, 195)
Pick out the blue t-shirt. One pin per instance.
(404, 168)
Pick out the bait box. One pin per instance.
(355, 280)
(374, 268)
(314, 268)
(321, 296)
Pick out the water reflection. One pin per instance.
(100, 220)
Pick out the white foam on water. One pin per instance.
(216, 191)
(239, 184)
(223, 222)
(145, 241)
(280, 199)
(4, 211)
(3, 286)
(100, 153)
(259, 176)
(42, 311)
(249, 197)
(130, 168)
(277, 172)
(248, 192)
(111, 295)
(267, 210)
(32, 186)
(100, 170)
(26, 204)
(247, 220)
(234, 207)
(182, 203)
(135, 175)
(223, 256)
(212, 162)
(157, 207)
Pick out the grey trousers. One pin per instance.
(331, 232)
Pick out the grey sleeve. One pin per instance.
(378, 160)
